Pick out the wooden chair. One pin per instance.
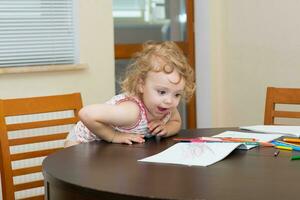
(31, 107)
(280, 96)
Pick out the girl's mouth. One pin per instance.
(161, 109)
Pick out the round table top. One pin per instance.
(102, 168)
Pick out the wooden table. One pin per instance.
(100, 170)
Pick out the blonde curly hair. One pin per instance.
(169, 56)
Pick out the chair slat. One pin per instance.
(40, 197)
(286, 95)
(33, 154)
(36, 139)
(280, 96)
(28, 185)
(287, 114)
(23, 106)
(41, 124)
(27, 170)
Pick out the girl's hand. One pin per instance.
(128, 138)
(157, 127)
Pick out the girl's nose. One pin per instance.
(168, 100)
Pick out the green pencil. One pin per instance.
(295, 158)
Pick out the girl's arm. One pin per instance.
(98, 118)
(170, 128)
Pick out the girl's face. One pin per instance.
(161, 93)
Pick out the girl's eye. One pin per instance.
(161, 92)
(177, 95)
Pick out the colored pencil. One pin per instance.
(295, 158)
(296, 140)
(284, 148)
(247, 141)
(276, 153)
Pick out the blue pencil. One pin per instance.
(279, 143)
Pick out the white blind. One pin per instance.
(37, 32)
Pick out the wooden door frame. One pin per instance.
(125, 51)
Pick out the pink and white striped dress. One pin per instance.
(81, 133)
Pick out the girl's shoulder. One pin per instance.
(132, 103)
(123, 97)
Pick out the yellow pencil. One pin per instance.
(284, 148)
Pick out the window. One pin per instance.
(38, 32)
(144, 10)
(128, 9)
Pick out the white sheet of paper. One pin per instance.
(204, 154)
(260, 137)
(193, 154)
(284, 130)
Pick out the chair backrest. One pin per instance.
(277, 96)
(25, 137)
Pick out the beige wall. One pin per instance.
(96, 83)
(253, 44)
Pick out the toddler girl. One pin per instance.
(155, 82)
